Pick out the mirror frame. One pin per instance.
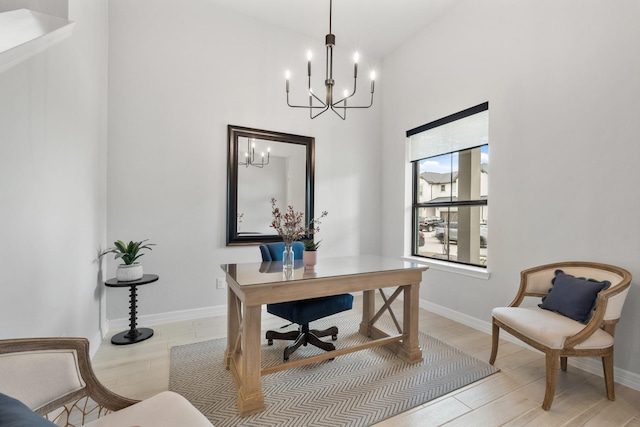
(233, 134)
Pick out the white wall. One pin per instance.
(179, 73)
(52, 184)
(562, 83)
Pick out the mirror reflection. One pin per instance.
(283, 177)
(263, 165)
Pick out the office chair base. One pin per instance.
(304, 339)
(304, 336)
(293, 335)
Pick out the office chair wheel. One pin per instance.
(334, 337)
(270, 342)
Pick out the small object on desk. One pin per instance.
(133, 335)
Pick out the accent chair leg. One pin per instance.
(552, 361)
(607, 365)
(495, 337)
(563, 363)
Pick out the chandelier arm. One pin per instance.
(343, 117)
(355, 106)
(315, 107)
(312, 116)
(322, 103)
(348, 96)
(303, 106)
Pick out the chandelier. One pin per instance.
(250, 155)
(340, 106)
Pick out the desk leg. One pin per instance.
(234, 324)
(410, 350)
(368, 311)
(250, 397)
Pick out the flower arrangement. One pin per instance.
(290, 224)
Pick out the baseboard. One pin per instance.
(591, 365)
(94, 343)
(169, 317)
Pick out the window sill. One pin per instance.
(24, 33)
(465, 270)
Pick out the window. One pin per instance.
(451, 155)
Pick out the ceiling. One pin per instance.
(374, 27)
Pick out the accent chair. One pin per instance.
(581, 304)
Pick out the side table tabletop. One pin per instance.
(133, 335)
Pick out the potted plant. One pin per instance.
(129, 253)
(309, 255)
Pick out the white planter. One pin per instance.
(129, 273)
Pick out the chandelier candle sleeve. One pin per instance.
(355, 65)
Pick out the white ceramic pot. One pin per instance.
(309, 259)
(129, 273)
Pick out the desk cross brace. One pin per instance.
(387, 307)
(237, 348)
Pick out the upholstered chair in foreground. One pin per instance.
(581, 304)
(302, 312)
(53, 377)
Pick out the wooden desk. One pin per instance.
(252, 284)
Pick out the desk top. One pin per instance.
(260, 273)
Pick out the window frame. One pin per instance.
(416, 205)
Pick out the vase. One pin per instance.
(309, 259)
(129, 273)
(287, 256)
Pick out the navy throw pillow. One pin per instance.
(14, 413)
(574, 297)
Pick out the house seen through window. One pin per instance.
(450, 212)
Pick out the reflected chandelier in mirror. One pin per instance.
(284, 169)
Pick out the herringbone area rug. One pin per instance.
(357, 389)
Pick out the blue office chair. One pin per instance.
(303, 311)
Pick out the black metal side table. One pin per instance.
(133, 335)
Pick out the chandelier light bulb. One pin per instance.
(346, 92)
(356, 57)
(287, 74)
(309, 55)
(373, 75)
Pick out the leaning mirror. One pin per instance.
(262, 165)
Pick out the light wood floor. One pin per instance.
(511, 397)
